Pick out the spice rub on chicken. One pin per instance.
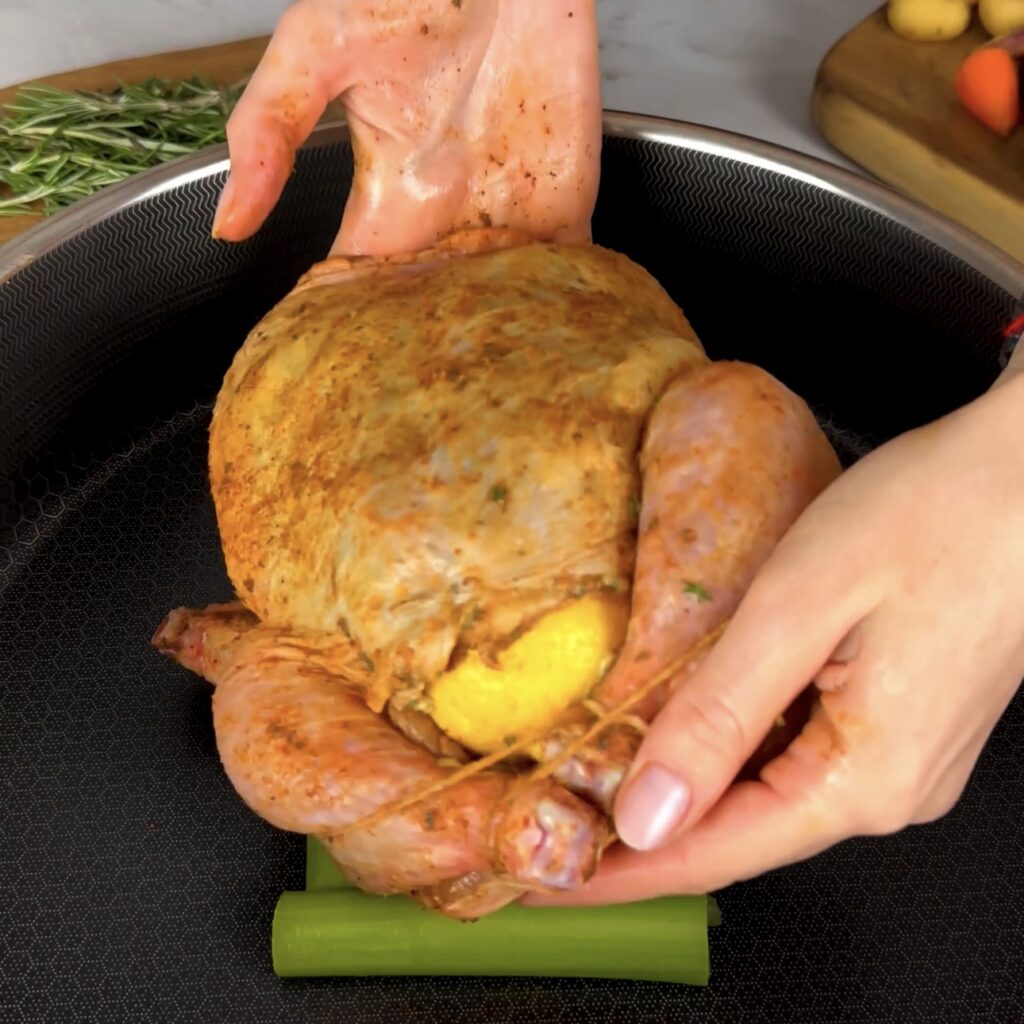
(428, 456)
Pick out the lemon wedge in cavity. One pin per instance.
(551, 666)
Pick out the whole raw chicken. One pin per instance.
(467, 432)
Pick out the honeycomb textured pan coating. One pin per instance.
(135, 886)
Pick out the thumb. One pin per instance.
(782, 634)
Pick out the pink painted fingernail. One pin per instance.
(652, 805)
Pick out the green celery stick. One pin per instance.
(347, 933)
(324, 875)
(321, 871)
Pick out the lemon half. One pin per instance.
(551, 666)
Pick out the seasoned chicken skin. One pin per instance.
(437, 452)
(467, 417)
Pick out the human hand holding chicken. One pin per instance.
(461, 114)
(900, 592)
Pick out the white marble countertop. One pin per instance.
(742, 65)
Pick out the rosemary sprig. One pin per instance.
(58, 146)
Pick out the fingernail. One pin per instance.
(223, 212)
(652, 805)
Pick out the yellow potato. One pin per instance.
(551, 666)
(1001, 17)
(929, 20)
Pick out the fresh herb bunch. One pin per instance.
(58, 146)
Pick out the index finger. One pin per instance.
(301, 71)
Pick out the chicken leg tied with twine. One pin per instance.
(619, 713)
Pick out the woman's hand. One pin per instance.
(900, 591)
(464, 113)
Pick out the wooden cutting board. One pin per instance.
(224, 64)
(888, 104)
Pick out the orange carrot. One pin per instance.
(987, 84)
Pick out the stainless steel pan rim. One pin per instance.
(999, 267)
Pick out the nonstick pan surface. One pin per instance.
(135, 886)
